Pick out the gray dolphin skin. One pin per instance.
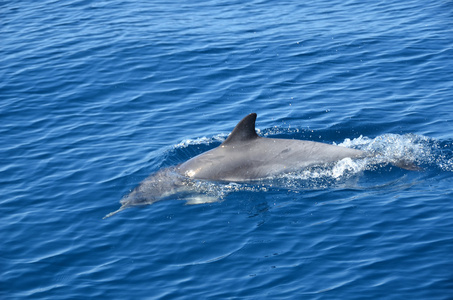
(242, 157)
(245, 156)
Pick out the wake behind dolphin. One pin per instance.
(242, 157)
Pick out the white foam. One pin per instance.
(202, 141)
(391, 148)
(347, 165)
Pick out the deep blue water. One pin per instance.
(96, 95)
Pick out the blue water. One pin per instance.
(96, 95)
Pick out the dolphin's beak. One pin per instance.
(123, 207)
(125, 203)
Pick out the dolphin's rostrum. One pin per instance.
(243, 156)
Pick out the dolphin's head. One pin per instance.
(139, 196)
(157, 186)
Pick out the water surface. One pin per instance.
(96, 95)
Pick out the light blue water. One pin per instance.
(96, 95)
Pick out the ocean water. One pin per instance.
(97, 95)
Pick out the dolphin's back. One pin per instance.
(245, 156)
(252, 157)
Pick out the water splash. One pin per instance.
(202, 141)
(390, 148)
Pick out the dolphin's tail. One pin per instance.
(123, 207)
(406, 165)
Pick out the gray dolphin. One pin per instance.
(242, 157)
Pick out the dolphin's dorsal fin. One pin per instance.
(244, 130)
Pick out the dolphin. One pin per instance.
(243, 157)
